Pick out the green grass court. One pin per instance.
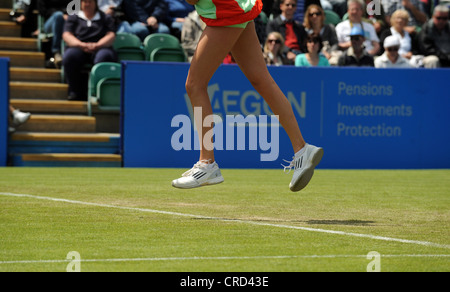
(134, 220)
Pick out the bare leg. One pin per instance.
(247, 53)
(214, 45)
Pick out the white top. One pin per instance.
(405, 41)
(384, 62)
(344, 28)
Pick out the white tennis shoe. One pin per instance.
(19, 117)
(304, 162)
(202, 174)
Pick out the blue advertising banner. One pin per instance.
(4, 110)
(363, 118)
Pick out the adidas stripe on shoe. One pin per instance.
(202, 174)
(304, 165)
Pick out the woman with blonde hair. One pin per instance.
(273, 50)
(314, 23)
(399, 21)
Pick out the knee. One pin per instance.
(195, 87)
(58, 17)
(72, 56)
(190, 86)
(105, 55)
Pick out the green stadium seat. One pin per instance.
(129, 47)
(167, 47)
(104, 87)
(332, 17)
(168, 55)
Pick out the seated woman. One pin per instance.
(89, 35)
(314, 23)
(313, 57)
(273, 50)
(399, 21)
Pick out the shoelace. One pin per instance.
(290, 166)
(201, 164)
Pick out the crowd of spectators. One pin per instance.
(422, 27)
(362, 33)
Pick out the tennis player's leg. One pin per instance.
(248, 55)
(214, 45)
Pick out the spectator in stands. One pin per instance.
(356, 9)
(192, 31)
(315, 24)
(415, 8)
(144, 17)
(376, 17)
(177, 11)
(54, 13)
(273, 50)
(391, 58)
(112, 8)
(109, 6)
(399, 20)
(356, 55)
(339, 6)
(302, 6)
(292, 31)
(89, 35)
(17, 118)
(313, 57)
(27, 19)
(268, 6)
(434, 39)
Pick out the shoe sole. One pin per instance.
(211, 182)
(308, 173)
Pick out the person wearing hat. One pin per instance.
(356, 9)
(391, 57)
(356, 55)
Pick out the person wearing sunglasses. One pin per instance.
(273, 50)
(391, 58)
(292, 31)
(314, 23)
(434, 39)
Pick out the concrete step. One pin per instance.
(18, 44)
(59, 123)
(50, 106)
(10, 29)
(67, 160)
(36, 90)
(4, 14)
(24, 59)
(29, 142)
(35, 75)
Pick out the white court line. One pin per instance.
(369, 236)
(223, 258)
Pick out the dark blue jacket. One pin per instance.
(178, 8)
(141, 10)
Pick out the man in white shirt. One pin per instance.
(391, 58)
(343, 29)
